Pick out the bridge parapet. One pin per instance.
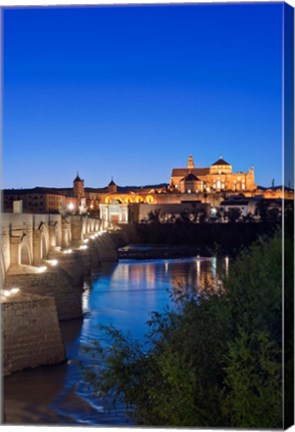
(27, 239)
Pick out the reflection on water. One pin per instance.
(123, 294)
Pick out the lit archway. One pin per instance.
(150, 199)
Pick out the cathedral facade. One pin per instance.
(216, 178)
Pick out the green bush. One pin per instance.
(214, 361)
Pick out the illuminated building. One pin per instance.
(218, 177)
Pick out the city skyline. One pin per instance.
(117, 91)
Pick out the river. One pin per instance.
(123, 294)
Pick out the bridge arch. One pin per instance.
(128, 200)
(25, 254)
(150, 199)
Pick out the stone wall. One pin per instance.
(30, 333)
(55, 283)
(107, 249)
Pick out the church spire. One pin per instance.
(77, 179)
(190, 163)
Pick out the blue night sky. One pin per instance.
(131, 91)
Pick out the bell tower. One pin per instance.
(78, 187)
(190, 163)
(112, 187)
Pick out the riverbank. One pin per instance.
(146, 252)
(228, 238)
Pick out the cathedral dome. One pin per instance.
(220, 161)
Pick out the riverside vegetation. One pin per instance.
(215, 360)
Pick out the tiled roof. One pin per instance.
(190, 177)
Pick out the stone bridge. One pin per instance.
(27, 239)
(46, 261)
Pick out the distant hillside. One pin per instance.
(274, 188)
(155, 186)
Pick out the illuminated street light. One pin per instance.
(52, 262)
(15, 290)
(42, 269)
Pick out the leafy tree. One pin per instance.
(233, 214)
(262, 210)
(184, 217)
(253, 374)
(274, 215)
(214, 360)
(220, 215)
(202, 216)
(154, 216)
(248, 218)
